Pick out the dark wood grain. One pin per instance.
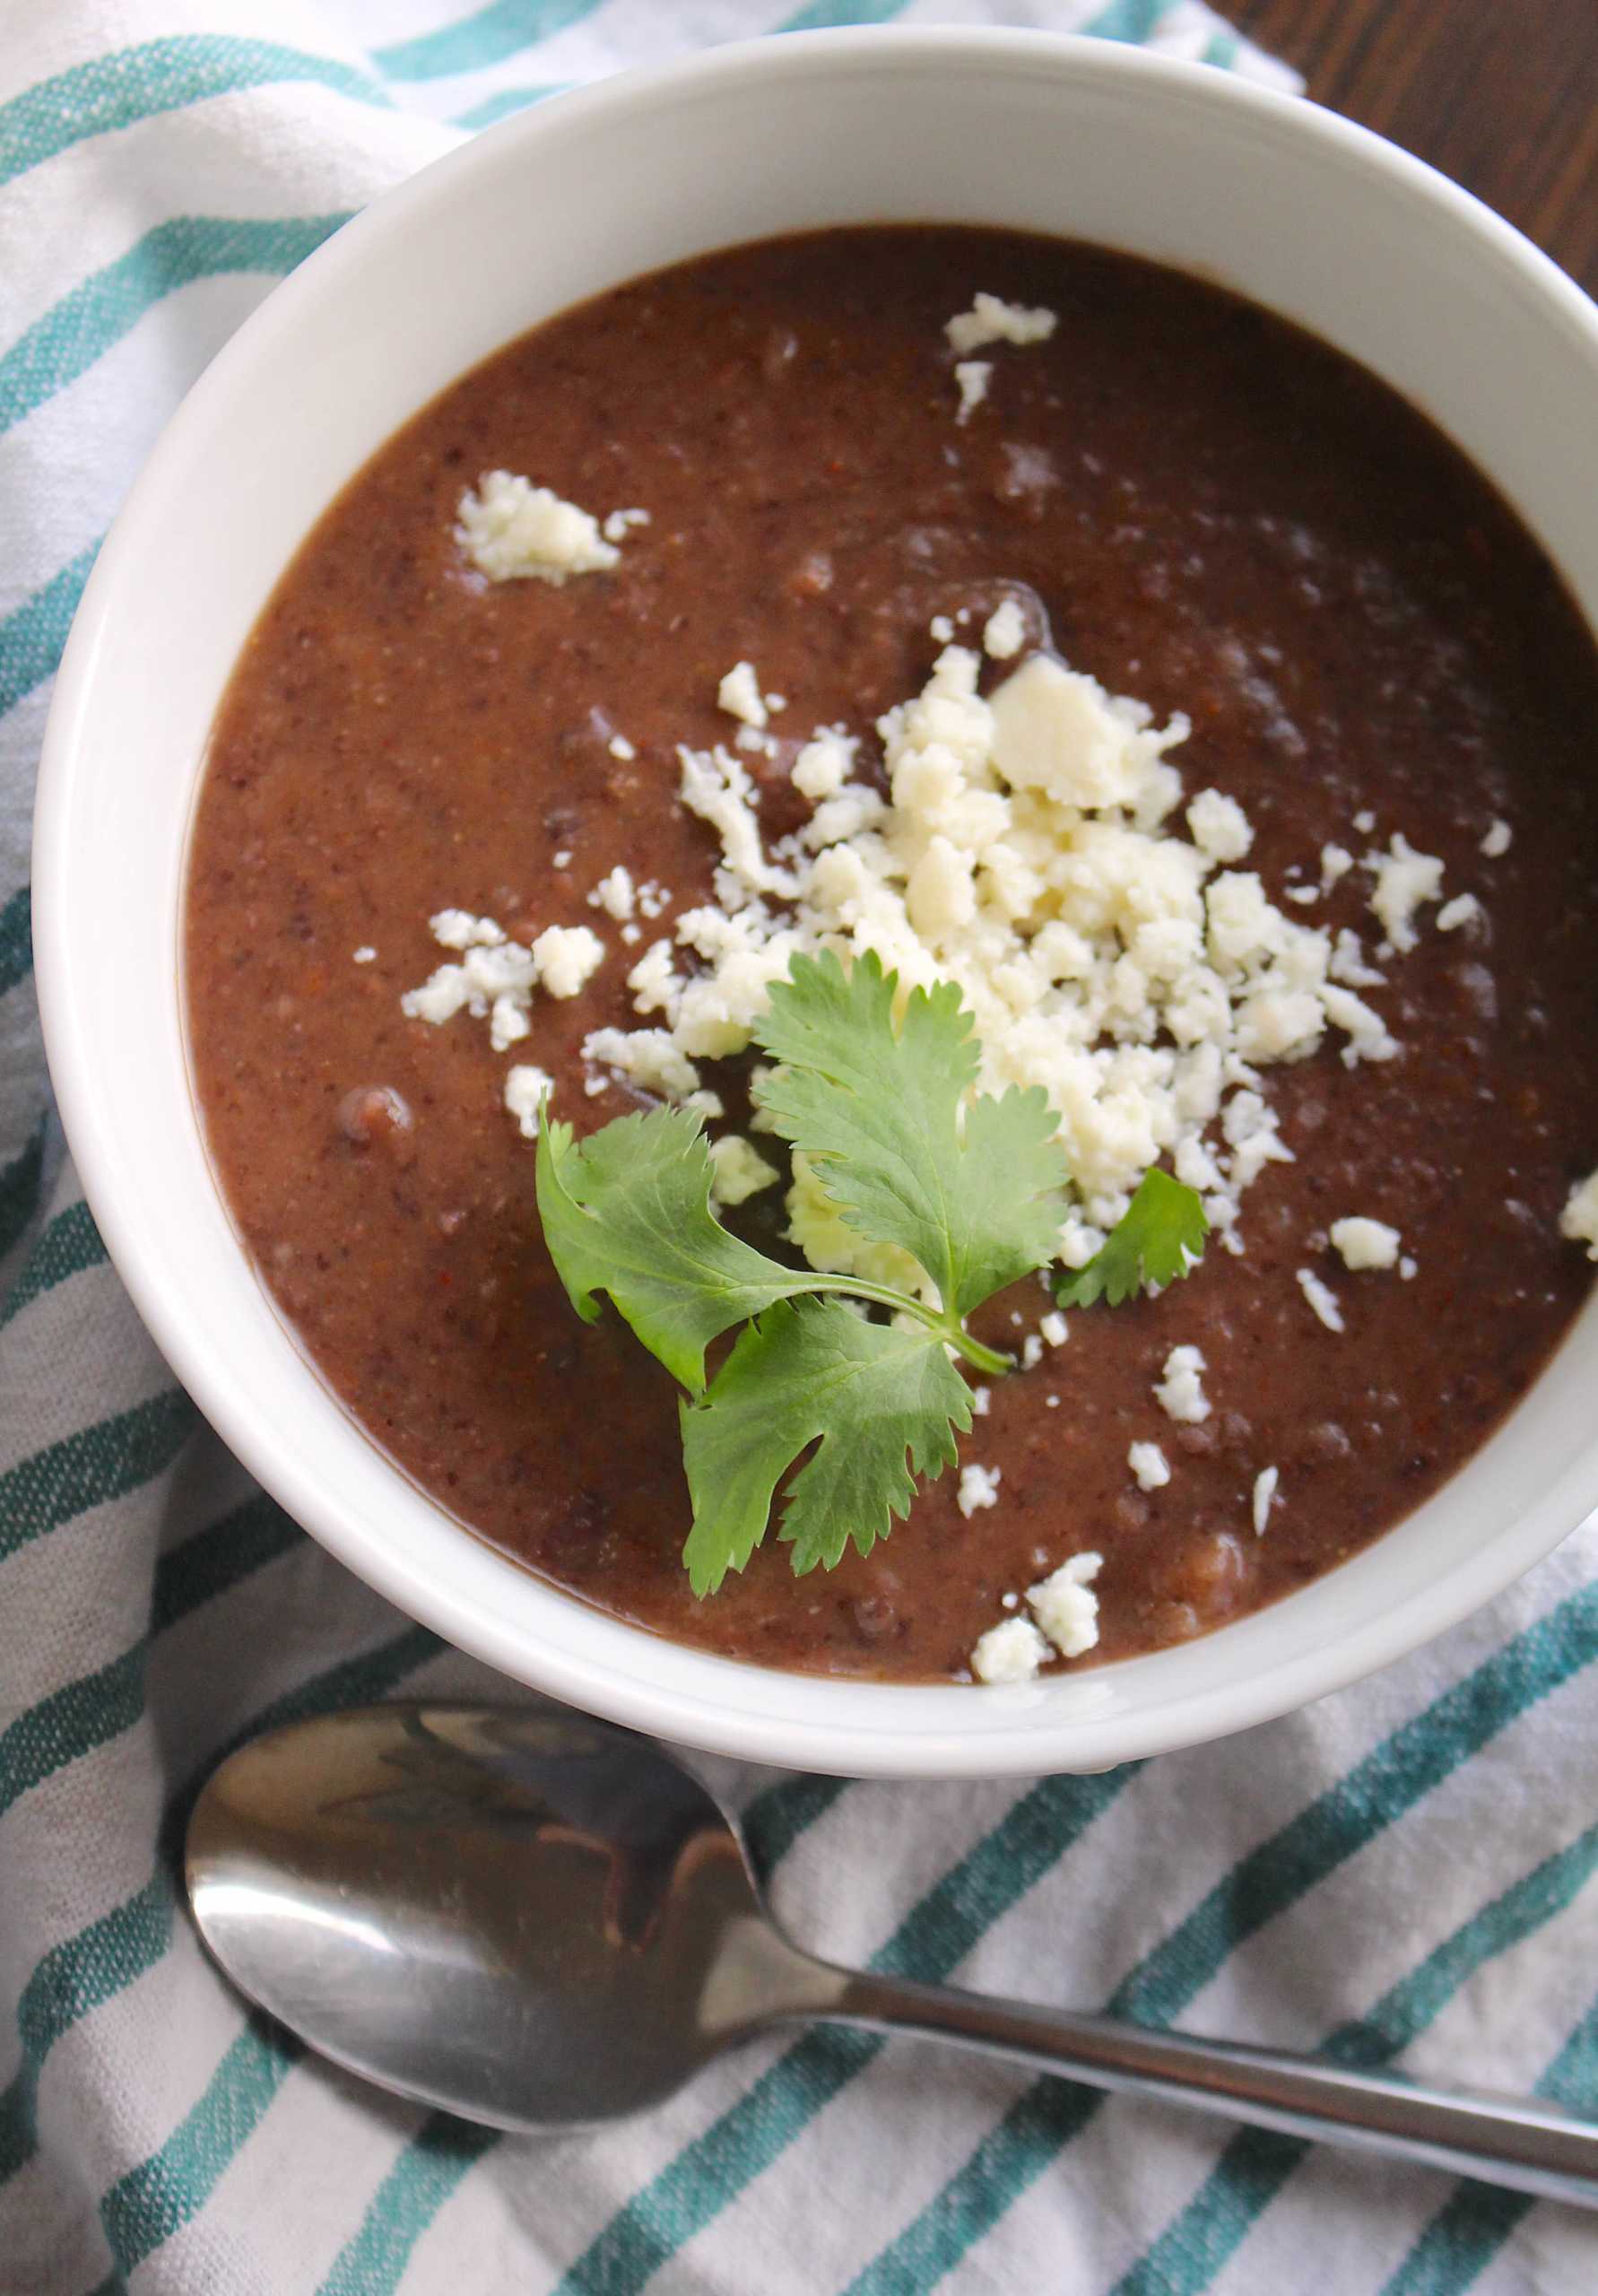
(1502, 94)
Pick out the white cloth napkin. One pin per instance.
(1401, 1874)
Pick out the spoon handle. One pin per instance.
(1527, 2144)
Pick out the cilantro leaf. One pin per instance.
(1158, 1238)
(877, 1110)
(628, 1212)
(879, 1402)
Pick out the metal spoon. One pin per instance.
(541, 1922)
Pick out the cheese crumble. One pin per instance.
(1365, 1243)
(514, 531)
(1405, 881)
(1066, 1606)
(739, 694)
(1579, 1219)
(614, 893)
(978, 1487)
(1180, 1394)
(1465, 908)
(1011, 1652)
(1264, 1499)
(990, 319)
(1219, 826)
(567, 956)
(1322, 1299)
(1150, 1466)
(1004, 632)
(971, 377)
(738, 1170)
(1499, 838)
(525, 1090)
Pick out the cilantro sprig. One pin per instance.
(1158, 1238)
(971, 1186)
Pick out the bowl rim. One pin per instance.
(1032, 1745)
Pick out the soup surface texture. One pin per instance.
(1193, 501)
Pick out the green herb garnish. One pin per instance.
(1156, 1239)
(972, 1189)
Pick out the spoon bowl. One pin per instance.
(543, 1922)
(527, 1917)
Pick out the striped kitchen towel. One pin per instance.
(1402, 1874)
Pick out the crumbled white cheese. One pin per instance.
(494, 978)
(1031, 1355)
(1369, 1035)
(1026, 852)
(438, 999)
(513, 531)
(823, 766)
(979, 1487)
(739, 694)
(508, 1023)
(1365, 1243)
(1011, 1652)
(1056, 731)
(614, 893)
(738, 1170)
(1579, 1219)
(1336, 861)
(939, 630)
(646, 1058)
(365, 955)
(1052, 1328)
(990, 319)
(1321, 1297)
(971, 377)
(981, 1402)
(1066, 1606)
(457, 928)
(1365, 821)
(1408, 1269)
(1150, 1465)
(656, 984)
(561, 860)
(1004, 632)
(1405, 881)
(1264, 1493)
(1180, 1393)
(1348, 963)
(1499, 838)
(620, 747)
(619, 523)
(566, 957)
(1465, 908)
(525, 1090)
(1219, 826)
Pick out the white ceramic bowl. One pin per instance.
(1310, 216)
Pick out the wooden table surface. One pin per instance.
(1502, 95)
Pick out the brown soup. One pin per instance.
(1214, 512)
